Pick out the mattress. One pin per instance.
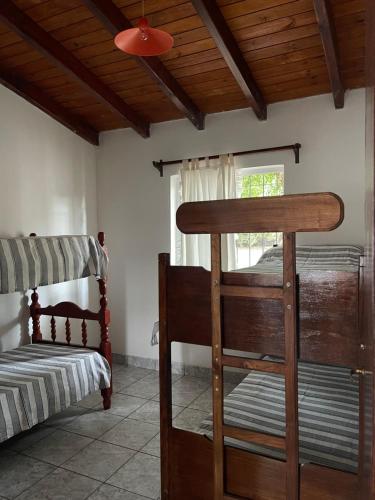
(37, 381)
(311, 258)
(27, 263)
(328, 414)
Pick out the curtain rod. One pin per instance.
(159, 165)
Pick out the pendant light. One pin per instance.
(144, 40)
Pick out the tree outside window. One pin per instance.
(257, 183)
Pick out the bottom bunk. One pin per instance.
(328, 409)
(39, 380)
(328, 401)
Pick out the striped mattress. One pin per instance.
(27, 263)
(328, 414)
(311, 258)
(37, 381)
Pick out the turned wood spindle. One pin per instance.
(105, 344)
(104, 312)
(84, 333)
(53, 329)
(34, 307)
(68, 332)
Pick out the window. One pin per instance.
(250, 182)
(254, 183)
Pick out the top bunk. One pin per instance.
(29, 262)
(327, 288)
(310, 258)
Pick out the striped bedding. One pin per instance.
(328, 414)
(311, 258)
(37, 381)
(27, 263)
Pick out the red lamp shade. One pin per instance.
(143, 40)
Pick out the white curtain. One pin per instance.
(205, 181)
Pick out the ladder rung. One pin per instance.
(252, 292)
(253, 437)
(253, 364)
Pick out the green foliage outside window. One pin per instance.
(256, 186)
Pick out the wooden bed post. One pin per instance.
(217, 366)
(291, 368)
(165, 374)
(34, 307)
(105, 344)
(37, 334)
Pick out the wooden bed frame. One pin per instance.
(70, 310)
(313, 317)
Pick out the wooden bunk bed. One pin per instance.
(47, 376)
(69, 310)
(314, 318)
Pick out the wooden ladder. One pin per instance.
(286, 294)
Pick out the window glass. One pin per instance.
(256, 183)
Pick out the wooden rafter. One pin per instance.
(30, 31)
(226, 43)
(39, 99)
(115, 21)
(327, 33)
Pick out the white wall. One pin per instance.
(134, 201)
(48, 186)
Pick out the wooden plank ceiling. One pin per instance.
(288, 49)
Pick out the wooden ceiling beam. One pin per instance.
(38, 98)
(115, 21)
(216, 24)
(328, 36)
(41, 40)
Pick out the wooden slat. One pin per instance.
(38, 98)
(113, 19)
(47, 45)
(218, 28)
(291, 368)
(272, 293)
(217, 370)
(254, 437)
(327, 31)
(289, 213)
(253, 364)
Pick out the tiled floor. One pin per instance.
(85, 452)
